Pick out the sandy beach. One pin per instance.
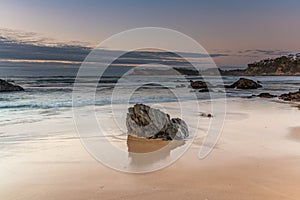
(257, 157)
(149, 100)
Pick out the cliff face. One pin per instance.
(281, 66)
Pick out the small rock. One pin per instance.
(206, 115)
(266, 95)
(9, 87)
(199, 85)
(291, 96)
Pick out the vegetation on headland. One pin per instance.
(280, 66)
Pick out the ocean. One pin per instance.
(44, 96)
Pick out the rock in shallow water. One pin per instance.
(146, 122)
(199, 85)
(291, 96)
(9, 87)
(266, 95)
(244, 83)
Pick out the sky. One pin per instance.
(241, 31)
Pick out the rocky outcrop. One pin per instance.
(244, 83)
(9, 87)
(291, 96)
(281, 66)
(266, 95)
(199, 85)
(146, 122)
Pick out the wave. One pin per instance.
(53, 92)
(36, 105)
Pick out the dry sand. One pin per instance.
(257, 157)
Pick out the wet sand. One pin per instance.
(255, 158)
(295, 134)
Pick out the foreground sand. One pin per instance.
(257, 157)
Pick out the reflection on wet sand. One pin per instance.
(144, 151)
(295, 134)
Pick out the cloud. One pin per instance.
(251, 53)
(264, 52)
(17, 46)
(13, 50)
(35, 38)
(31, 48)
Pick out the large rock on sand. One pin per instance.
(291, 96)
(244, 83)
(9, 87)
(146, 122)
